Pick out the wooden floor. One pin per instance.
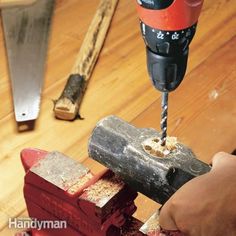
(202, 111)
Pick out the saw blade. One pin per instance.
(26, 31)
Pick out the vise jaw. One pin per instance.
(59, 188)
(119, 146)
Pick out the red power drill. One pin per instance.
(168, 27)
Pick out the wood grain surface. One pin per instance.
(202, 111)
(10, 3)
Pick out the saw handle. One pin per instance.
(11, 3)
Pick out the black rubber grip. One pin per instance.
(166, 72)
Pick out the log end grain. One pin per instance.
(64, 109)
(67, 106)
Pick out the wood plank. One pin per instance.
(202, 108)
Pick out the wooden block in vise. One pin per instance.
(57, 187)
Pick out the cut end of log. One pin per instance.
(65, 110)
(153, 146)
(67, 106)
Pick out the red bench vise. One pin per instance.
(59, 188)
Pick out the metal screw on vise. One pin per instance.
(164, 114)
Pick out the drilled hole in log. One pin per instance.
(156, 140)
(147, 147)
(153, 146)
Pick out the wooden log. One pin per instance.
(67, 106)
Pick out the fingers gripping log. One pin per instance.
(120, 147)
(67, 106)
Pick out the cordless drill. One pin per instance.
(168, 27)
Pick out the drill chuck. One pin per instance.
(166, 72)
(167, 55)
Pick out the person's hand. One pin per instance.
(206, 205)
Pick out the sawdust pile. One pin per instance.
(153, 146)
(104, 188)
(152, 226)
(82, 181)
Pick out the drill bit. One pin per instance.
(164, 106)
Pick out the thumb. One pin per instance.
(221, 159)
(166, 219)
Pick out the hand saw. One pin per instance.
(26, 30)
